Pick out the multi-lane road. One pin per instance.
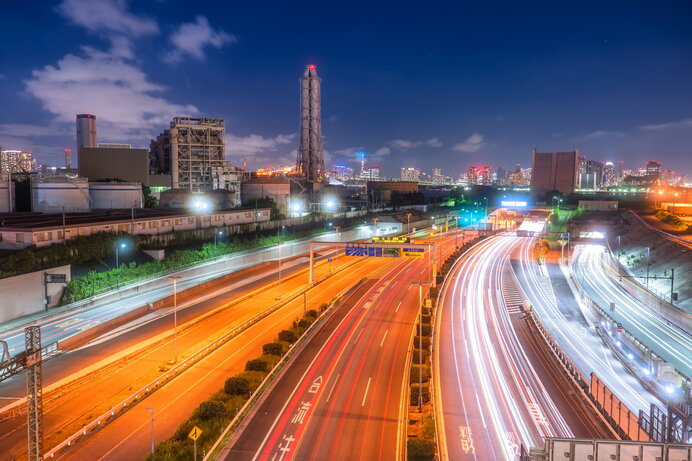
(597, 279)
(496, 387)
(345, 395)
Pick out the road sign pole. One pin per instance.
(312, 262)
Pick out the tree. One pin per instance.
(236, 386)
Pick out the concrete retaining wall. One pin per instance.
(25, 294)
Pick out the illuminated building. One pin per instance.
(609, 174)
(480, 176)
(16, 161)
(310, 162)
(370, 173)
(410, 174)
(653, 168)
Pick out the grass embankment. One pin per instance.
(214, 414)
(673, 220)
(557, 222)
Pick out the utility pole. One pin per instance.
(34, 392)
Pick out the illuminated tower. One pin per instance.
(68, 159)
(310, 161)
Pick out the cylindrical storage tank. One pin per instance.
(5, 196)
(108, 195)
(57, 194)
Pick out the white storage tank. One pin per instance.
(6, 202)
(54, 194)
(113, 195)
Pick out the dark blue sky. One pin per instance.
(410, 83)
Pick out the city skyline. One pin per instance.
(613, 86)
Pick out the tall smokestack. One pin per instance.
(310, 151)
(86, 132)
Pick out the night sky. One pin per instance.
(410, 83)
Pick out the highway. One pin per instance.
(495, 386)
(596, 278)
(553, 301)
(345, 396)
(70, 406)
(61, 326)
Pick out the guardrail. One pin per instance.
(665, 234)
(156, 384)
(239, 418)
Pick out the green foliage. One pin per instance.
(417, 354)
(149, 200)
(312, 314)
(209, 410)
(671, 220)
(425, 340)
(236, 386)
(266, 202)
(418, 449)
(415, 373)
(288, 335)
(414, 393)
(273, 349)
(256, 365)
(426, 329)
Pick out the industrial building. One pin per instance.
(381, 192)
(276, 188)
(21, 231)
(553, 171)
(119, 161)
(86, 133)
(55, 194)
(189, 151)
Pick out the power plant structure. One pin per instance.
(190, 151)
(310, 162)
(86, 132)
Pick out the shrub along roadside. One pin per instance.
(215, 413)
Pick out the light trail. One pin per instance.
(578, 339)
(489, 375)
(666, 341)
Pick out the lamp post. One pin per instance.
(648, 261)
(175, 279)
(338, 236)
(219, 233)
(420, 343)
(408, 223)
(151, 410)
(375, 220)
(118, 246)
(279, 245)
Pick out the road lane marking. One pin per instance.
(398, 306)
(383, 337)
(333, 386)
(366, 392)
(358, 336)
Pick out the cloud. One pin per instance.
(686, 123)
(25, 129)
(600, 134)
(110, 19)
(405, 144)
(249, 146)
(190, 39)
(3, 77)
(126, 104)
(434, 142)
(472, 144)
(382, 151)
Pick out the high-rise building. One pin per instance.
(189, 151)
(501, 173)
(581, 168)
(343, 172)
(68, 158)
(310, 161)
(653, 168)
(437, 176)
(410, 174)
(621, 171)
(16, 161)
(609, 178)
(370, 173)
(479, 176)
(595, 168)
(552, 171)
(86, 131)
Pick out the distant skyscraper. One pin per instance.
(581, 168)
(621, 171)
(595, 168)
(86, 130)
(653, 168)
(410, 174)
(479, 176)
(310, 161)
(553, 171)
(437, 176)
(501, 173)
(68, 158)
(609, 174)
(16, 161)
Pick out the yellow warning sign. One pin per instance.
(406, 254)
(195, 433)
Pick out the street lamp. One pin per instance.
(219, 233)
(408, 223)
(175, 279)
(648, 261)
(279, 245)
(118, 246)
(330, 204)
(151, 410)
(375, 220)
